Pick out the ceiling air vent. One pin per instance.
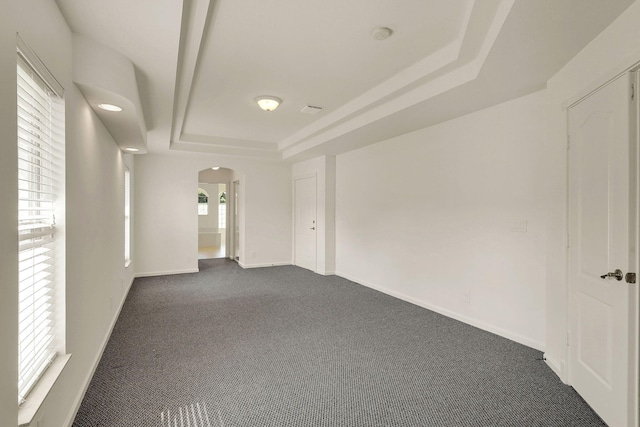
(310, 109)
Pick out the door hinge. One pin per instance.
(568, 141)
(568, 242)
(633, 91)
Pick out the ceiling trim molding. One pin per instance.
(425, 67)
(463, 73)
(435, 74)
(226, 150)
(194, 22)
(221, 141)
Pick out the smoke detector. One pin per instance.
(381, 33)
(310, 109)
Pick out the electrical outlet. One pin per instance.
(519, 226)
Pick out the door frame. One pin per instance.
(233, 218)
(227, 246)
(293, 216)
(634, 189)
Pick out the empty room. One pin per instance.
(288, 213)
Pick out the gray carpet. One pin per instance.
(282, 346)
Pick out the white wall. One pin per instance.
(427, 216)
(435, 217)
(96, 277)
(167, 220)
(323, 168)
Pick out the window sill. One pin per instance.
(28, 410)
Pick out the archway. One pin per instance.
(213, 212)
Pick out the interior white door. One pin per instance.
(601, 239)
(305, 223)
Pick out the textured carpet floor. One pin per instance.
(282, 346)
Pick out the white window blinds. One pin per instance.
(40, 137)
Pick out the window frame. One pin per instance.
(203, 207)
(127, 217)
(222, 210)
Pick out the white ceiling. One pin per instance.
(200, 64)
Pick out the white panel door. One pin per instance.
(305, 223)
(600, 241)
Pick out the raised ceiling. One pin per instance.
(200, 64)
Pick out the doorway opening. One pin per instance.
(213, 217)
(235, 242)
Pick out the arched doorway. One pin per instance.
(213, 212)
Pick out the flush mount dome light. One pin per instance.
(268, 103)
(109, 107)
(133, 150)
(215, 168)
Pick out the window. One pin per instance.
(203, 202)
(222, 210)
(40, 179)
(127, 216)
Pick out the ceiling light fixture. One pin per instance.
(268, 103)
(215, 168)
(109, 107)
(133, 150)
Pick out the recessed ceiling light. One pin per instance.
(215, 168)
(268, 103)
(381, 33)
(133, 150)
(109, 107)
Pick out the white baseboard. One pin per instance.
(167, 273)
(449, 313)
(555, 366)
(78, 400)
(327, 273)
(266, 264)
